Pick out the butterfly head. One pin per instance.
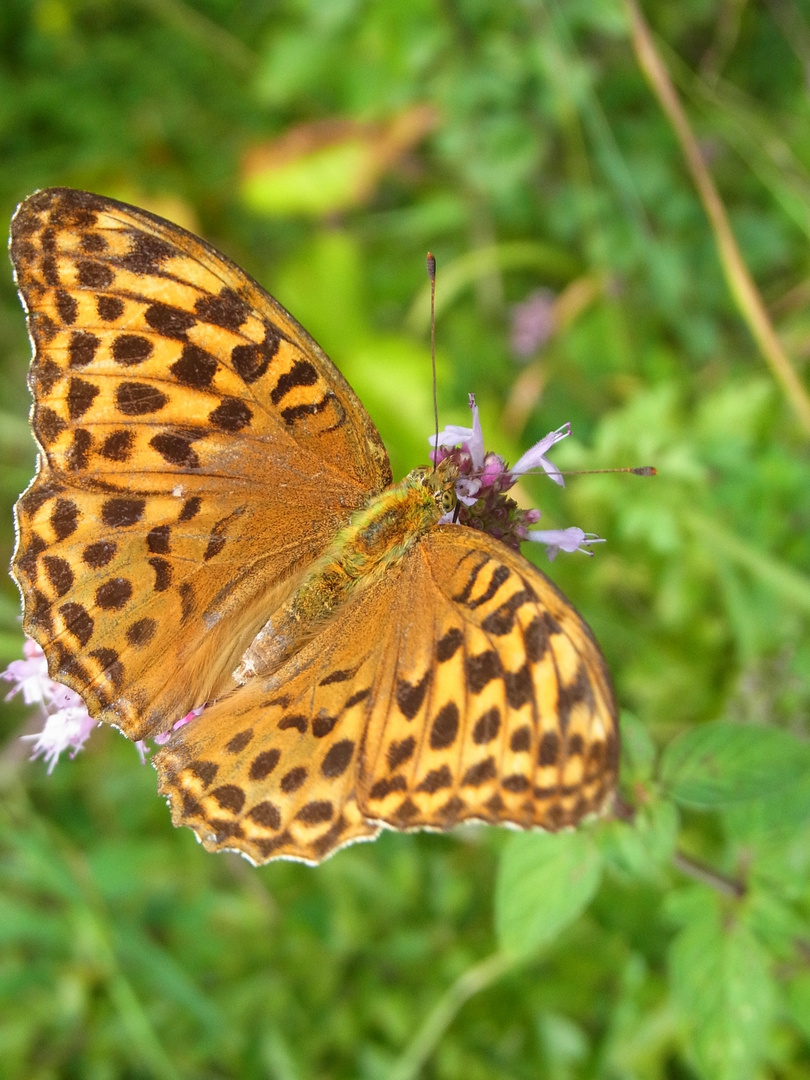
(441, 482)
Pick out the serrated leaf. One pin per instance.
(721, 763)
(545, 881)
(723, 988)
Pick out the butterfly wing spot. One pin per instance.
(520, 740)
(337, 758)
(444, 729)
(411, 695)
(384, 787)
(292, 780)
(487, 726)
(264, 763)
(449, 644)
(480, 773)
(436, 780)
(400, 751)
(78, 622)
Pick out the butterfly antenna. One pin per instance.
(431, 269)
(637, 470)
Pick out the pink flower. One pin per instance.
(471, 439)
(67, 722)
(30, 675)
(532, 323)
(571, 539)
(65, 729)
(535, 456)
(164, 736)
(484, 479)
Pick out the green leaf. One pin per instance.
(722, 985)
(638, 748)
(798, 1003)
(642, 847)
(545, 881)
(322, 182)
(776, 815)
(722, 763)
(775, 922)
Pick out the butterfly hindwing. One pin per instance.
(462, 686)
(271, 769)
(499, 706)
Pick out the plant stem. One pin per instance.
(740, 282)
(473, 980)
(688, 865)
(707, 875)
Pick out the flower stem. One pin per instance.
(707, 875)
(427, 1038)
(740, 282)
(688, 865)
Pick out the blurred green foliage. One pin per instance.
(125, 949)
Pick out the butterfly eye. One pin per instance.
(447, 500)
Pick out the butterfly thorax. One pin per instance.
(377, 537)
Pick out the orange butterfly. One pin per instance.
(213, 521)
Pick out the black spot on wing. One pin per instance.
(577, 692)
(411, 695)
(502, 620)
(169, 321)
(226, 309)
(302, 373)
(448, 644)
(445, 726)
(463, 596)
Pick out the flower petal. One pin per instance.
(535, 458)
(476, 444)
(66, 729)
(471, 439)
(571, 539)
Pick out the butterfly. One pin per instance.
(213, 522)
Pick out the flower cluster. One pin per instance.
(484, 480)
(67, 722)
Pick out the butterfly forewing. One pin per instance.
(197, 450)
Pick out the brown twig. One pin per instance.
(740, 282)
(707, 875)
(694, 868)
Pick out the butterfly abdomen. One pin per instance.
(376, 538)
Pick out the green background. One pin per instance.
(673, 946)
